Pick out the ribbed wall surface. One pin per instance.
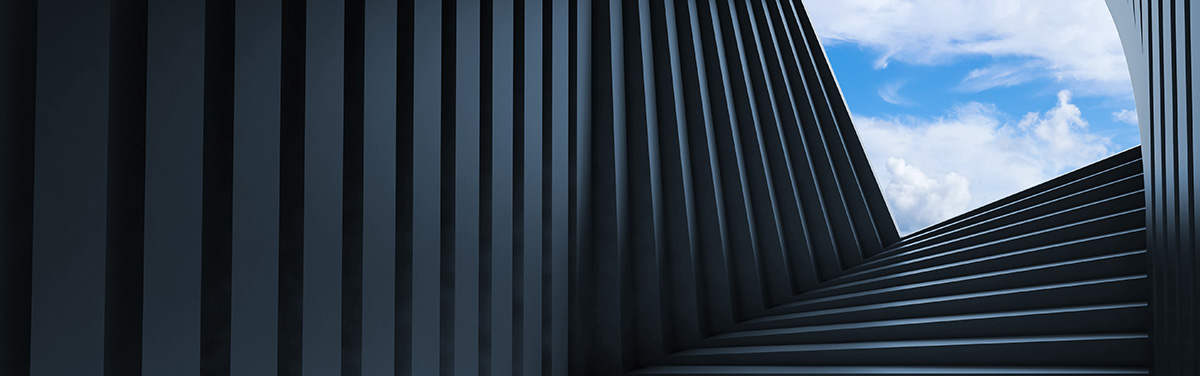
(1051, 280)
(323, 187)
(735, 231)
(318, 187)
(1158, 37)
(725, 176)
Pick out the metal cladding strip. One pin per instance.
(68, 217)
(257, 180)
(18, 67)
(174, 147)
(500, 359)
(1158, 37)
(380, 149)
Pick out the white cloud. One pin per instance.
(1072, 41)
(917, 198)
(995, 76)
(891, 93)
(933, 168)
(1126, 116)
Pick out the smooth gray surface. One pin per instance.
(379, 190)
(255, 293)
(323, 188)
(174, 134)
(502, 188)
(466, 195)
(69, 204)
(427, 193)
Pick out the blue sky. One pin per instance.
(962, 102)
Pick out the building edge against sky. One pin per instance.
(211, 187)
(1159, 37)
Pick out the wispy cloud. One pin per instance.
(933, 168)
(1126, 116)
(891, 93)
(1071, 41)
(995, 76)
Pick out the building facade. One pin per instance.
(465, 187)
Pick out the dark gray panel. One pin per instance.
(531, 128)
(379, 190)
(555, 275)
(255, 299)
(426, 191)
(323, 142)
(502, 188)
(465, 193)
(69, 206)
(174, 131)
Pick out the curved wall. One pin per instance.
(211, 187)
(726, 177)
(1158, 37)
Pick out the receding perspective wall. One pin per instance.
(320, 187)
(520, 187)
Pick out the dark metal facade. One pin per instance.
(1051, 280)
(725, 176)
(1158, 37)
(322, 187)
(462, 187)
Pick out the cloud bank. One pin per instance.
(931, 169)
(1071, 41)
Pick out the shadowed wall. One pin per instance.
(463, 187)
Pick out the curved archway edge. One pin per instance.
(1158, 38)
